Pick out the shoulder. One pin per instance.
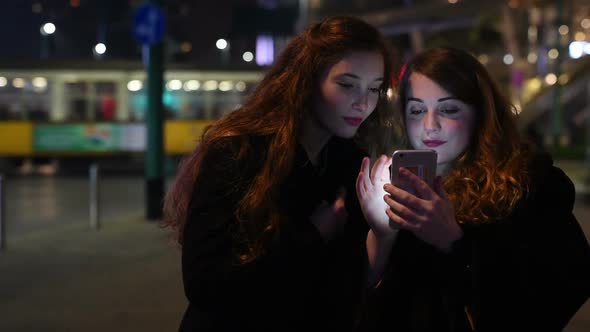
(232, 155)
(345, 150)
(236, 147)
(548, 184)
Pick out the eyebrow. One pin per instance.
(357, 77)
(441, 99)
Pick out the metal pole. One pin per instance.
(2, 214)
(154, 161)
(94, 198)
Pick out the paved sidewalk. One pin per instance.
(124, 277)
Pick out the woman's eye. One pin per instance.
(415, 111)
(345, 85)
(451, 110)
(375, 90)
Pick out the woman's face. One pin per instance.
(349, 92)
(437, 120)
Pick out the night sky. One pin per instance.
(80, 27)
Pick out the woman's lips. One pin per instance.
(432, 143)
(353, 121)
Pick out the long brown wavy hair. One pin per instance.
(275, 109)
(490, 177)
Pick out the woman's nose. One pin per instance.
(431, 121)
(361, 102)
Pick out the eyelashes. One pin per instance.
(451, 110)
(446, 111)
(348, 86)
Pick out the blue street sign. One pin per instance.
(149, 24)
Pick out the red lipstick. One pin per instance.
(352, 120)
(432, 143)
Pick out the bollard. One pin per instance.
(94, 199)
(2, 214)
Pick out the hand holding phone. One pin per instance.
(420, 162)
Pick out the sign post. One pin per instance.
(148, 28)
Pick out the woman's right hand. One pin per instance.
(329, 219)
(369, 189)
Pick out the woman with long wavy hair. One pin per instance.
(265, 208)
(494, 245)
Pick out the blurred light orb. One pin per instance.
(191, 85)
(18, 83)
(563, 30)
(532, 57)
(390, 93)
(484, 59)
(550, 79)
(174, 85)
(134, 85)
(241, 86)
(563, 79)
(47, 29)
(39, 82)
(221, 44)
(210, 85)
(576, 49)
(225, 86)
(248, 56)
(186, 47)
(100, 48)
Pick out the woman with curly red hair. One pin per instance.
(494, 245)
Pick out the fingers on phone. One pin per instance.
(419, 185)
(397, 222)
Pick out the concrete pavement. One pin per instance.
(125, 277)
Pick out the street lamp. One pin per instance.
(248, 56)
(223, 45)
(100, 49)
(47, 29)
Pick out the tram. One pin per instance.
(74, 109)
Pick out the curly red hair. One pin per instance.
(490, 177)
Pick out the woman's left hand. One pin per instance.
(429, 214)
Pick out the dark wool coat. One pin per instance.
(301, 283)
(528, 272)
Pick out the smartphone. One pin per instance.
(420, 162)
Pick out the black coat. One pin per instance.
(301, 282)
(529, 272)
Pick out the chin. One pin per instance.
(345, 134)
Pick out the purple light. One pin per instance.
(264, 50)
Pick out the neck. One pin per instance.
(313, 137)
(443, 169)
